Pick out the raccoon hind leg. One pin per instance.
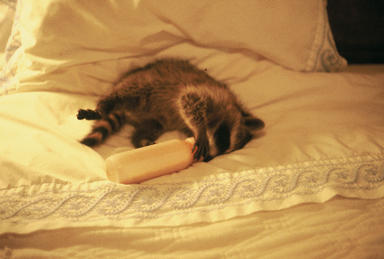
(146, 133)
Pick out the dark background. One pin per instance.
(358, 29)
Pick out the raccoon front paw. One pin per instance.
(201, 150)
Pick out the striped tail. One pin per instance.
(103, 127)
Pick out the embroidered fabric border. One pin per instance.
(214, 198)
(324, 55)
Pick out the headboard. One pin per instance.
(358, 29)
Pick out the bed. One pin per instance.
(310, 185)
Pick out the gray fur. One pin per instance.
(172, 94)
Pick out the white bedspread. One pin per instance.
(340, 228)
(310, 184)
(324, 136)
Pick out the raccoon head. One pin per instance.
(231, 133)
(218, 123)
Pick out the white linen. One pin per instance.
(340, 228)
(324, 136)
(279, 196)
(7, 12)
(65, 43)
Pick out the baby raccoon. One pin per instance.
(172, 94)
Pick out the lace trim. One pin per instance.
(256, 189)
(324, 55)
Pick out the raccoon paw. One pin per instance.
(201, 150)
(146, 133)
(141, 142)
(146, 142)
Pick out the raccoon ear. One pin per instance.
(253, 123)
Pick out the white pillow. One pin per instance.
(66, 42)
(6, 19)
(7, 12)
(9, 41)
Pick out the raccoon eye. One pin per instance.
(222, 138)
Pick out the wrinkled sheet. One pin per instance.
(340, 228)
(324, 137)
(7, 11)
(311, 183)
